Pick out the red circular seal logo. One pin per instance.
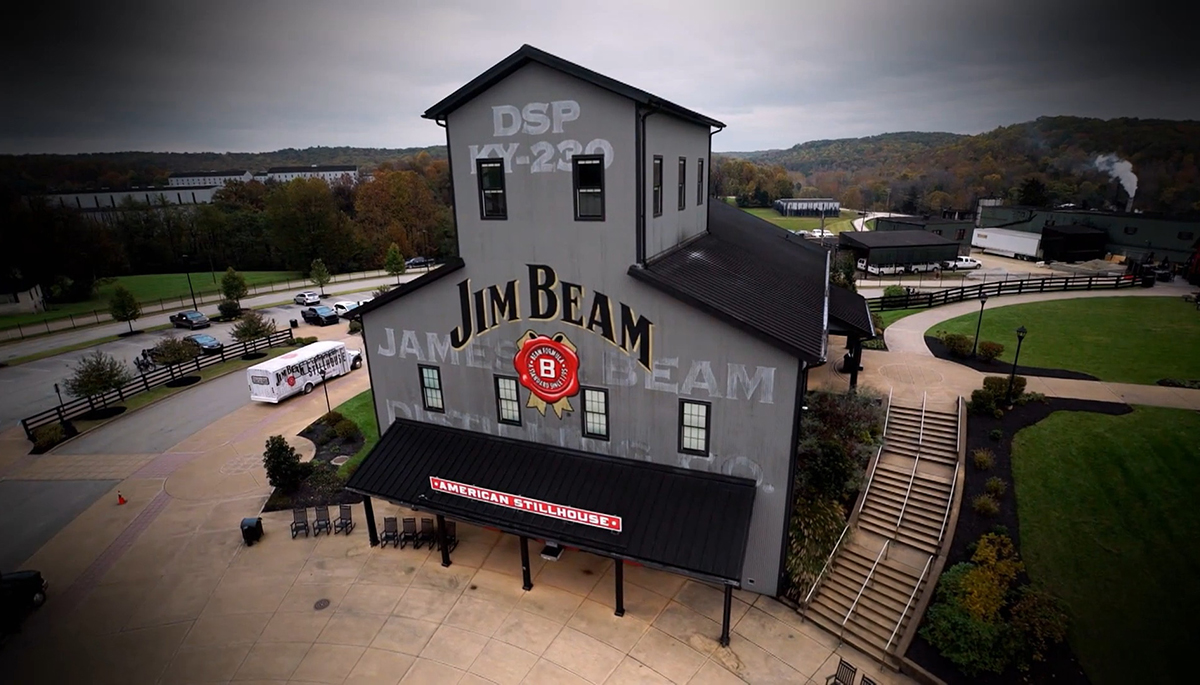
(291, 380)
(548, 368)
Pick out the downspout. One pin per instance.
(453, 203)
(793, 458)
(708, 168)
(639, 149)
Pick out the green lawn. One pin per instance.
(891, 316)
(1122, 339)
(148, 288)
(804, 223)
(1109, 523)
(361, 410)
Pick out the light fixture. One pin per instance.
(551, 552)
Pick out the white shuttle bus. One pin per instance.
(299, 372)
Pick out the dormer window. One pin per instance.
(588, 172)
(492, 201)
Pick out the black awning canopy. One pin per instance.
(682, 520)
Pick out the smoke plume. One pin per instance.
(1119, 169)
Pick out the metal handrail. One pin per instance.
(866, 581)
(958, 420)
(828, 559)
(906, 606)
(878, 453)
(949, 502)
(912, 477)
(887, 414)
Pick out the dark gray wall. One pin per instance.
(1128, 234)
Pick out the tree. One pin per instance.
(233, 286)
(1033, 192)
(305, 224)
(123, 306)
(318, 274)
(252, 327)
(394, 262)
(852, 199)
(171, 351)
(95, 374)
(284, 469)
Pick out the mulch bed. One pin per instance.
(253, 355)
(329, 446)
(101, 413)
(182, 382)
(1060, 665)
(69, 431)
(940, 351)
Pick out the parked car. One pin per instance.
(820, 233)
(344, 307)
(880, 269)
(190, 320)
(207, 343)
(20, 593)
(319, 316)
(962, 263)
(922, 267)
(418, 262)
(307, 297)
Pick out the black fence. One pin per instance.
(915, 300)
(144, 382)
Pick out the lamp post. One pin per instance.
(1012, 376)
(982, 301)
(326, 389)
(57, 392)
(189, 277)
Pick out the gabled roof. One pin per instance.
(527, 54)
(450, 266)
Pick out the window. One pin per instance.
(431, 388)
(1185, 235)
(960, 234)
(588, 171)
(1130, 230)
(694, 421)
(508, 407)
(595, 413)
(699, 181)
(492, 203)
(682, 183)
(937, 231)
(657, 185)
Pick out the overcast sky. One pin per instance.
(252, 76)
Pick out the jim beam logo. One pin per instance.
(549, 369)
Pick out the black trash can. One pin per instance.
(1148, 280)
(294, 323)
(252, 530)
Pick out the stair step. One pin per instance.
(894, 495)
(887, 521)
(858, 635)
(916, 411)
(885, 588)
(928, 544)
(882, 619)
(920, 483)
(888, 470)
(927, 439)
(913, 518)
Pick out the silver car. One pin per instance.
(307, 297)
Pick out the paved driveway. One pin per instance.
(33, 511)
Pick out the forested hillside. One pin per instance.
(930, 171)
(120, 170)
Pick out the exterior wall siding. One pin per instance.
(671, 139)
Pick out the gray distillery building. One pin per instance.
(614, 363)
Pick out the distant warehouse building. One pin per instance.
(903, 248)
(204, 179)
(808, 206)
(958, 230)
(1135, 236)
(330, 173)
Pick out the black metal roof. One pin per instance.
(1073, 229)
(450, 266)
(923, 221)
(690, 521)
(874, 239)
(527, 54)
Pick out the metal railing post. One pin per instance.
(905, 612)
(866, 581)
(916, 460)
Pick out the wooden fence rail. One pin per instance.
(938, 298)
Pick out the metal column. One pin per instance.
(620, 574)
(525, 564)
(441, 540)
(725, 616)
(369, 511)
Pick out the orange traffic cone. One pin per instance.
(120, 498)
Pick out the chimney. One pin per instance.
(1129, 206)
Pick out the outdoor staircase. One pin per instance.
(867, 591)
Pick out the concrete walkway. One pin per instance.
(162, 590)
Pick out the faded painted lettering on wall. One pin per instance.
(537, 119)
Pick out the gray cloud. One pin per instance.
(241, 76)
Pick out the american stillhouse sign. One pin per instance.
(533, 506)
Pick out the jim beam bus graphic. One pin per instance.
(299, 372)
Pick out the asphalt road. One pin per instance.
(28, 388)
(35, 510)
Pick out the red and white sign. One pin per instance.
(548, 367)
(503, 499)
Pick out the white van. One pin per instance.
(298, 372)
(880, 269)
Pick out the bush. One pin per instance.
(1041, 620)
(229, 309)
(284, 470)
(998, 413)
(170, 351)
(324, 481)
(382, 290)
(252, 327)
(996, 487)
(1028, 397)
(982, 403)
(45, 437)
(347, 429)
(96, 373)
(894, 291)
(355, 327)
(989, 350)
(972, 644)
(985, 587)
(332, 418)
(986, 505)
(958, 344)
(839, 430)
(299, 341)
(996, 434)
(816, 524)
(998, 386)
(983, 458)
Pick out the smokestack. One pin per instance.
(1129, 206)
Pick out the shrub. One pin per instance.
(958, 344)
(299, 341)
(1028, 397)
(253, 326)
(985, 587)
(986, 505)
(996, 487)
(284, 470)
(998, 413)
(332, 418)
(989, 350)
(170, 351)
(324, 481)
(347, 429)
(45, 437)
(355, 327)
(972, 644)
(982, 402)
(839, 430)
(229, 309)
(96, 373)
(998, 386)
(894, 291)
(1041, 620)
(382, 290)
(984, 458)
(816, 524)
(996, 434)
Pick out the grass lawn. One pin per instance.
(891, 316)
(1121, 339)
(361, 410)
(148, 288)
(1109, 523)
(804, 223)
